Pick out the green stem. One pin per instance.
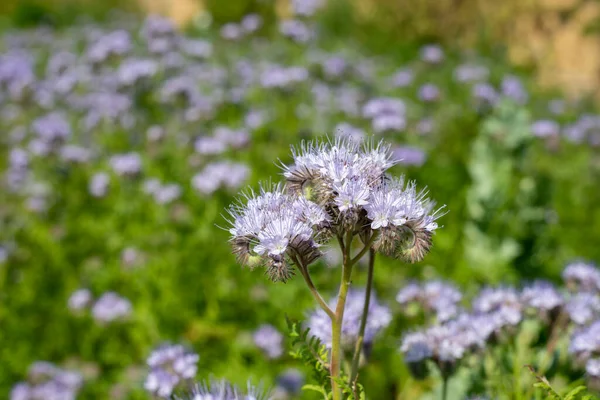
(336, 322)
(445, 388)
(363, 320)
(306, 275)
(364, 250)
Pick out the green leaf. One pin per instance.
(571, 395)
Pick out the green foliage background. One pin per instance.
(517, 211)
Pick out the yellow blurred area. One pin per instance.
(180, 11)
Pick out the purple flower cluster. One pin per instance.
(45, 381)
(348, 180)
(444, 344)
(170, 365)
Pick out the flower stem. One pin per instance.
(336, 322)
(306, 275)
(363, 320)
(445, 388)
(368, 245)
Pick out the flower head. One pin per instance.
(273, 227)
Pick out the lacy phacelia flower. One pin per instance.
(348, 180)
(223, 390)
(269, 340)
(45, 381)
(274, 227)
(582, 276)
(169, 366)
(404, 218)
(379, 317)
(437, 296)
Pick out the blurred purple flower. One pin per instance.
(111, 307)
(408, 155)
(432, 54)
(269, 340)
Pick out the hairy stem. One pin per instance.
(336, 322)
(363, 320)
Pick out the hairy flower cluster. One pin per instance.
(169, 365)
(378, 318)
(273, 228)
(440, 297)
(348, 180)
(45, 381)
(223, 390)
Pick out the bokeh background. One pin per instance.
(116, 177)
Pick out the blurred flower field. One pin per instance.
(125, 142)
